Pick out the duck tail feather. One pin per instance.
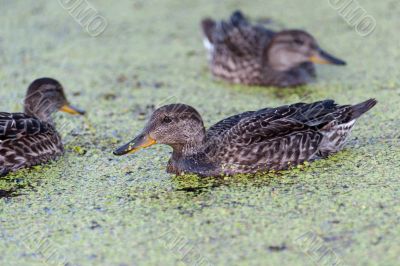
(237, 18)
(361, 108)
(208, 27)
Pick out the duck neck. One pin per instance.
(190, 148)
(42, 116)
(40, 108)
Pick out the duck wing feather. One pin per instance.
(16, 125)
(275, 138)
(272, 138)
(25, 141)
(225, 124)
(239, 37)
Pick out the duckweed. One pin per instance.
(92, 208)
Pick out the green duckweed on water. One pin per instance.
(92, 208)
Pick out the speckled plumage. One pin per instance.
(30, 138)
(240, 52)
(254, 141)
(25, 141)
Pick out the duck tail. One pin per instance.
(208, 27)
(361, 108)
(237, 18)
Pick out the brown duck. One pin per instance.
(254, 141)
(253, 55)
(30, 138)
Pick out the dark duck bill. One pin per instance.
(323, 57)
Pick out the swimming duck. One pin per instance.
(253, 55)
(250, 142)
(30, 138)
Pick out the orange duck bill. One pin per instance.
(140, 142)
(72, 110)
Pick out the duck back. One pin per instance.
(25, 141)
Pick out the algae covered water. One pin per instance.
(92, 208)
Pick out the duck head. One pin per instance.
(46, 96)
(177, 125)
(291, 48)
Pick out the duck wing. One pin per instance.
(275, 138)
(323, 112)
(276, 122)
(272, 138)
(225, 124)
(264, 128)
(266, 144)
(26, 141)
(237, 37)
(16, 125)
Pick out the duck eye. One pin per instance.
(167, 120)
(298, 42)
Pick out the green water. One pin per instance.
(91, 208)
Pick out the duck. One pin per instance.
(242, 53)
(270, 139)
(30, 138)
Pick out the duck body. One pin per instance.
(30, 138)
(26, 141)
(254, 141)
(242, 53)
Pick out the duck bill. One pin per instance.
(72, 110)
(325, 58)
(140, 142)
